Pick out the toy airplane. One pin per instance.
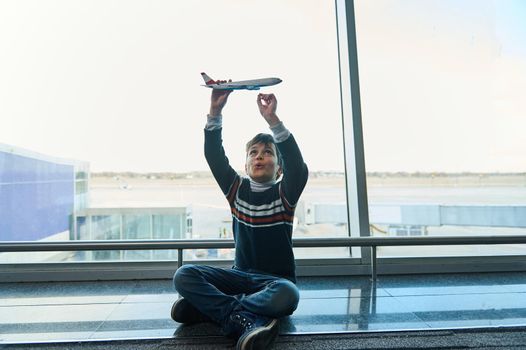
(240, 85)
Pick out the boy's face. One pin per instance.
(262, 162)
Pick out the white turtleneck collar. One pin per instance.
(260, 186)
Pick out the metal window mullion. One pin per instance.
(180, 257)
(151, 233)
(90, 237)
(121, 235)
(357, 205)
(374, 264)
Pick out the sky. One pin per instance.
(442, 84)
(116, 83)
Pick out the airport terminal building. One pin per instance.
(44, 198)
(39, 194)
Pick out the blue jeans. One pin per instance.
(217, 292)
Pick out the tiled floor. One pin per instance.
(31, 312)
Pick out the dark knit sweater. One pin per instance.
(262, 221)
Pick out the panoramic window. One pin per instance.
(443, 118)
(103, 117)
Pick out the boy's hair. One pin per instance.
(266, 139)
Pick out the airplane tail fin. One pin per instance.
(207, 79)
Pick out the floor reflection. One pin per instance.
(32, 312)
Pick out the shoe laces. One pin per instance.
(243, 321)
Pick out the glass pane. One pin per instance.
(168, 227)
(443, 118)
(136, 227)
(103, 135)
(89, 256)
(209, 254)
(106, 227)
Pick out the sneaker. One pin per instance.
(184, 312)
(255, 332)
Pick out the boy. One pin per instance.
(247, 300)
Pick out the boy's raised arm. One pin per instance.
(295, 171)
(224, 174)
(218, 100)
(268, 104)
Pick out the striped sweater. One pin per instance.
(262, 221)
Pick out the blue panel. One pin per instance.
(5, 210)
(6, 168)
(36, 198)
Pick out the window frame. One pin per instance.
(358, 263)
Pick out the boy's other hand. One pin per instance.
(218, 100)
(268, 105)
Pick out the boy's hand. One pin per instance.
(268, 104)
(218, 100)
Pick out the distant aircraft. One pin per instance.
(239, 85)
